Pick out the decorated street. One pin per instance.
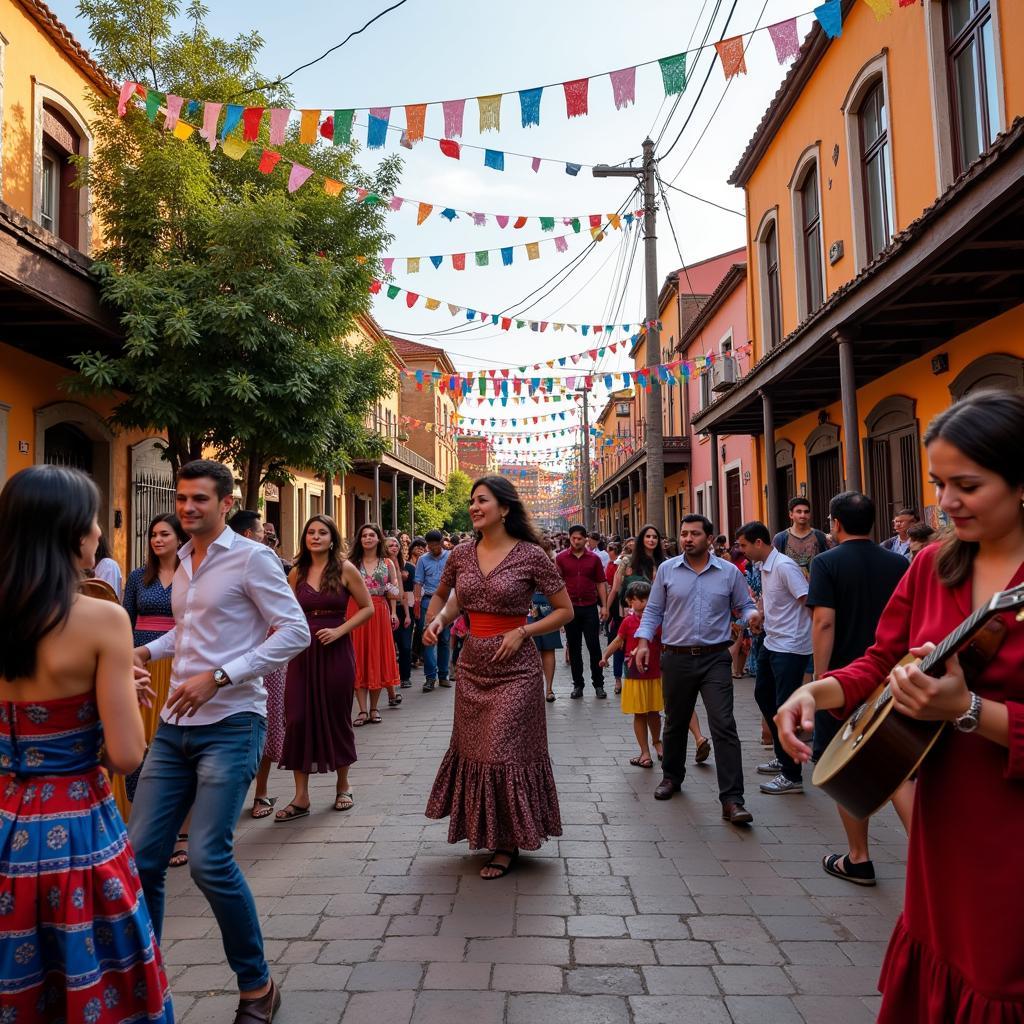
(642, 913)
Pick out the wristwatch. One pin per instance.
(221, 678)
(969, 720)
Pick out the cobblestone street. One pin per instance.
(642, 912)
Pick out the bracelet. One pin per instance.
(523, 633)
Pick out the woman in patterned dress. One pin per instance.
(374, 644)
(495, 781)
(76, 939)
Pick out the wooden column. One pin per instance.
(715, 516)
(848, 392)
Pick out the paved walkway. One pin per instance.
(642, 912)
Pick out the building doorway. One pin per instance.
(785, 481)
(824, 471)
(733, 503)
(893, 457)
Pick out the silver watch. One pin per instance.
(969, 720)
(221, 678)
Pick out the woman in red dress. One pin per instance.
(957, 954)
(495, 781)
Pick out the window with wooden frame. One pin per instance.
(876, 169)
(772, 297)
(59, 199)
(973, 81)
(810, 240)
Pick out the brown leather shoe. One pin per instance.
(736, 814)
(665, 789)
(259, 1011)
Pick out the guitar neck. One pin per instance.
(935, 663)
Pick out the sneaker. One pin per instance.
(405, 684)
(600, 694)
(781, 785)
(428, 686)
(576, 693)
(772, 767)
(444, 682)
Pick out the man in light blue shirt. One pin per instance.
(694, 599)
(428, 575)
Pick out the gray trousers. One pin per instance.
(683, 678)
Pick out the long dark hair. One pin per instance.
(517, 521)
(357, 547)
(641, 564)
(987, 427)
(45, 513)
(331, 580)
(152, 562)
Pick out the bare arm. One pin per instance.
(823, 635)
(356, 585)
(615, 645)
(616, 587)
(116, 699)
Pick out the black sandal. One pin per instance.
(640, 761)
(179, 858)
(263, 806)
(375, 718)
(291, 812)
(550, 698)
(393, 702)
(859, 874)
(360, 719)
(513, 856)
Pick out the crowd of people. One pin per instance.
(227, 661)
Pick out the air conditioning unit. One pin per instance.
(723, 374)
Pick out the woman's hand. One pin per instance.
(328, 636)
(795, 719)
(433, 632)
(917, 695)
(510, 643)
(144, 693)
(394, 622)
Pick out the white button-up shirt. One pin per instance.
(222, 614)
(787, 623)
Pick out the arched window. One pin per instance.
(61, 135)
(973, 81)
(997, 370)
(770, 287)
(892, 453)
(810, 240)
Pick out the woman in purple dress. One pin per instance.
(496, 781)
(318, 736)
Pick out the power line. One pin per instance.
(700, 199)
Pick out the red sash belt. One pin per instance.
(154, 623)
(483, 624)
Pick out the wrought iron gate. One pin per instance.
(152, 495)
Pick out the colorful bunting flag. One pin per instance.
(378, 130)
(453, 115)
(529, 105)
(278, 125)
(495, 159)
(233, 148)
(173, 105)
(308, 124)
(183, 130)
(128, 90)
(785, 39)
(451, 149)
(154, 100)
(415, 121)
(572, 169)
(343, 127)
(412, 264)
(673, 74)
(459, 260)
(830, 17)
(576, 95)
(490, 112)
(251, 118)
(423, 212)
(623, 87)
(881, 8)
(730, 53)
(298, 176)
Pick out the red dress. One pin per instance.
(957, 953)
(373, 642)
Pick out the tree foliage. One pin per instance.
(235, 296)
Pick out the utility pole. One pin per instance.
(654, 440)
(585, 460)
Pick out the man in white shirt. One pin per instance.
(787, 644)
(227, 593)
(594, 544)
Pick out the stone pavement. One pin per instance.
(642, 912)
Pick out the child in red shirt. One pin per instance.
(641, 691)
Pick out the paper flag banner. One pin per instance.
(451, 149)
(234, 148)
(251, 118)
(424, 211)
(494, 159)
(127, 92)
(576, 94)
(479, 219)
(232, 119)
(298, 176)
(572, 169)
(490, 112)
(154, 100)
(785, 38)
(483, 258)
(378, 130)
(459, 260)
(415, 121)
(343, 127)
(881, 8)
(183, 130)
(278, 125)
(388, 263)
(533, 250)
(730, 52)
(308, 126)
(209, 130)
(506, 256)
(173, 112)
(332, 187)
(535, 164)
(433, 303)
(453, 114)
(673, 73)
(623, 87)
(830, 17)
(561, 244)
(412, 265)
(449, 214)
(529, 105)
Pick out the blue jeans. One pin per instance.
(207, 768)
(778, 676)
(436, 658)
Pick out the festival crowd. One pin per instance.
(167, 698)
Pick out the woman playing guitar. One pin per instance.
(957, 953)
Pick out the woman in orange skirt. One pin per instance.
(373, 642)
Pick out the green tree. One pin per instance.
(456, 502)
(234, 294)
(430, 514)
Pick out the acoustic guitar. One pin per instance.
(878, 748)
(93, 587)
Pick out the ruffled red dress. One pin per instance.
(373, 642)
(957, 953)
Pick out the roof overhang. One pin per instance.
(958, 265)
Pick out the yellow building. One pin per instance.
(885, 214)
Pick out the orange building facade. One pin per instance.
(885, 251)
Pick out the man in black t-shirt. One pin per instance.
(850, 586)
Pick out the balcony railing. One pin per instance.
(411, 459)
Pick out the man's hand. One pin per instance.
(642, 655)
(602, 613)
(141, 656)
(755, 623)
(143, 691)
(795, 719)
(188, 698)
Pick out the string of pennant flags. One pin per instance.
(576, 94)
(561, 361)
(271, 160)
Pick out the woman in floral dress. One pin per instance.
(495, 781)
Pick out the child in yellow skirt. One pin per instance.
(641, 691)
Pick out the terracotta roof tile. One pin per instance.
(61, 35)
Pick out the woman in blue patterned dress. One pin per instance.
(76, 939)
